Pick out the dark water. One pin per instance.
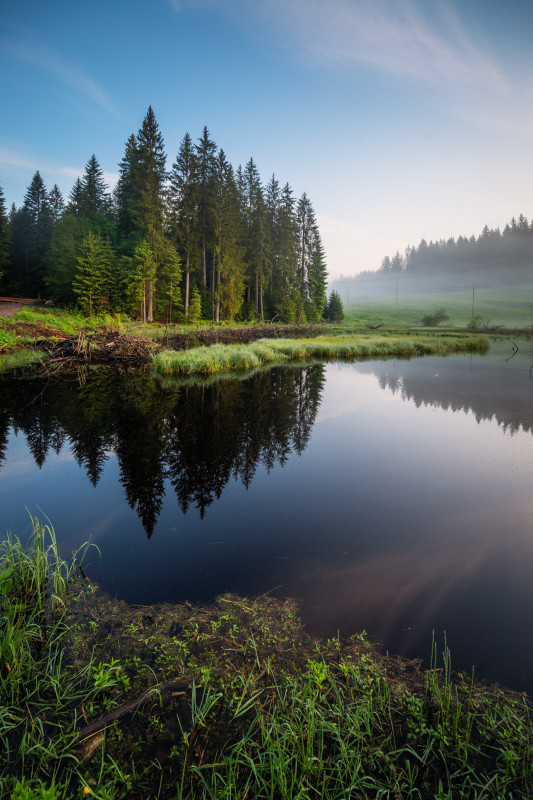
(394, 496)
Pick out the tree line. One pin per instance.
(505, 256)
(201, 240)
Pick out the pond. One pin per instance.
(392, 496)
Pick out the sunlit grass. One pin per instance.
(217, 358)
(67, 322)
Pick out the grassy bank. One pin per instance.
(231, 357)
(233, 700)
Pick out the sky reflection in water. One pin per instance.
(403, 504)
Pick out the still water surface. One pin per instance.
(394, 496)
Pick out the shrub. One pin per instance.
(479, 322)
(438, 316)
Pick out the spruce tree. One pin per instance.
(205, 156)
(56, 203)
(334, 311)
(228, 253)
(5, 237)
(149, 178)
(93, 280)
(183, 206)
(306, 225)
(62, 257)
(125, 192)
(169, 278)
(141, 277)
(34, 230)
(94, 197)
(286, 289)
(75, 200)
(254, 213)
(316, 279)
(195, 306)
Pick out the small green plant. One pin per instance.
(108, 676)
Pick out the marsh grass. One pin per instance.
(37, 691)
(218, 358)
(20, 359)
(260, 711)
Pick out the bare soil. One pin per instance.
(7, 309)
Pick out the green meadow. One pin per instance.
(510, 307)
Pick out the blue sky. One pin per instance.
(401, 119)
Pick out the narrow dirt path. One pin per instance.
(8, 309)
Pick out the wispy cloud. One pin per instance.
(31, 50)
(8, 158)
(395, 36)
(11, 159)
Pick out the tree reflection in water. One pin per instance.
(196, 436)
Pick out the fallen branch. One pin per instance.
(104, 722)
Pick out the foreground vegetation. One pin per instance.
(229, 701)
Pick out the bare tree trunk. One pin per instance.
(213, 289)
(187, 288)
(150, 301)
(217, 302)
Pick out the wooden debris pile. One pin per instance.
(207, 336)
(107, 348)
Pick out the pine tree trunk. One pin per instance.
(217, 303)
(213, 289)
(187, 288)
(150, 301)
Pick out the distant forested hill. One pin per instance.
(493, 258)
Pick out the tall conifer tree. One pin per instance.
(94, 199)
(183, 200)
(205, 154)
(5, 237)
(56, 203)
(149, 177)
(228, 253)
(125, 192)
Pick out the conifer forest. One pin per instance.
(201, 240)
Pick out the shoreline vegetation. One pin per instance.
(219, 358)
(53, 340)
(231, 700)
